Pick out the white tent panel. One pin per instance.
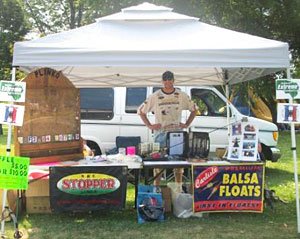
(130, 50)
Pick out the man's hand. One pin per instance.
(183, 126)
(154, 126)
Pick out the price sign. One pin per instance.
(14, 172)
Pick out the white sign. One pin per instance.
(11, 114)
(12, 91)
(288, 89)
(288, 113)
(243, 142)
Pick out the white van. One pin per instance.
(110, 112)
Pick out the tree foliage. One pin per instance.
(56, 15)
(13, 28)
(278, 20)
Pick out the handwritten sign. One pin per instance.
(14, 172)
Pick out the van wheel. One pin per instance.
(267, 153)
(94, 147)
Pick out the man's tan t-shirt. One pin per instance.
(167, 107)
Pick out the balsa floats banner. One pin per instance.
(87, 188)
(228, 188)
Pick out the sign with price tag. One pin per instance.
(14, 172)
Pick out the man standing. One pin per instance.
(167, 105)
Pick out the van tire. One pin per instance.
(94, 147)
(266, 151)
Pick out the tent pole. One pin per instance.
(293, 138)
(8, 146)
(227, 107)
(227, 100)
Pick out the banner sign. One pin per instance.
(12, 91)
(87, 188)
(243, 142)
(228, 188)
(287, 89)
(288, 113)
(11, 114)
(14, 172)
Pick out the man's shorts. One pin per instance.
(175, 170)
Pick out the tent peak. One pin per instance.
(146, 7)
(146, 12)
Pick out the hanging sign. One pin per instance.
(12, 91)
(228, 188)
(243, 142)
(288, 113)
(288, 89)
(11, 114)
(14, 172)
(87, 188)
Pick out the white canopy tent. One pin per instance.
(134, 47)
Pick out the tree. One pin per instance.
(278, 20)
(57, 15)
(13, 27)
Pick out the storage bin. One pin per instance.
(182, 203)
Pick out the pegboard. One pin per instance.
(51, 128)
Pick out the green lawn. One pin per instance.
(277, 223)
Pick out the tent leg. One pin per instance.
(227, 108)
(8, 146)
(293, 138)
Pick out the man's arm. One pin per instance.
(190, 120)
(147, 122)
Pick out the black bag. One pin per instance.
(199, 144)
(150, 210)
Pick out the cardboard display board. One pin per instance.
(51, 127)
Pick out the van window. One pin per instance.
(97, 103)
(209, 103)
(134, 98)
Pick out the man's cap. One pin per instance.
(168, 75)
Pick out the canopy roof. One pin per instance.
(134, 47)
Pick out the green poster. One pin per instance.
(14, 172)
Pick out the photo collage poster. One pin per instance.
(243, 142)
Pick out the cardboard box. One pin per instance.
(38, 205)
(167, 198)
(37, 197)
(39, 188)
(166, 192)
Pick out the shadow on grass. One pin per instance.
(278, 176)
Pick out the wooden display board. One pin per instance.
(51, 128)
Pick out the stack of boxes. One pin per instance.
(38, 197)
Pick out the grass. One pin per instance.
(278, 223)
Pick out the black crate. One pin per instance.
(199, 144)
